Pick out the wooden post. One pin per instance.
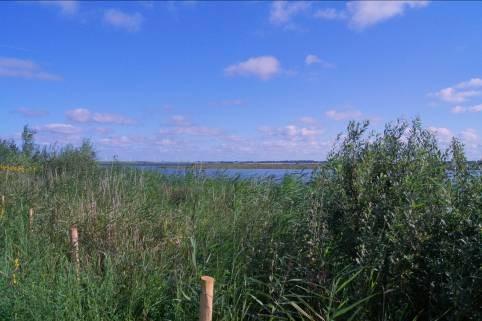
(207, 295)
(74, 244)
(30, 219)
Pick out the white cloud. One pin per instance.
(367, 13)
(344, 115)
(461, 109)
(363, 14)
(472, 83)
(23, 68)
(453, 95)
(330, 14)
(476, 109)
(442, 133)
(122, 20)
(59, 128)
(470, 136)
(116, 141)
(82, 115)
(460, 92)
(67, 7)
(313, 59)
(307, 130)
(282, 11)
(112, 119)
(263, 67)
(300, 140)
(458, 109)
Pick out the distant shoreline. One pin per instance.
(224, 165)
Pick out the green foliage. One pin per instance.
(387, 204)
(380, 233)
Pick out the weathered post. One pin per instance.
(74, 244)
(207, 295)
(30, 219)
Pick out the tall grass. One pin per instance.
(381, 233)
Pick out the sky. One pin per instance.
(208, 81)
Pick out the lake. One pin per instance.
(276, 174)
(242, 173)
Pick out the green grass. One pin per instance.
(380, 234)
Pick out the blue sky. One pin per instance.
(236, 81)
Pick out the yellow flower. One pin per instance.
(17, 264)
(15, 168)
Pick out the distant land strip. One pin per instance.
(222, 165)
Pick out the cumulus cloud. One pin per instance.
(59, 128)
(82, 115)
(470, 137)
(442, 133)
(367, 13)
(460, 92)
(453, 95)
(29, 112)
(122, 20)
(476, 109)
(312, 59)
(461, 109)
(344, 115)
(305, 129)
(67, 7)
(23, 68)
(458, 109)
(116, 141)
(363, 14)
(263, 67)
(282, 11)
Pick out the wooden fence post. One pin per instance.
(74, 244)
(30, 219)
(207, 295)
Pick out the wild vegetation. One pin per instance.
(381, 232)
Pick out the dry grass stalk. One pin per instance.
(30, 218)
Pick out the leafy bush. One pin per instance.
(386, 204)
